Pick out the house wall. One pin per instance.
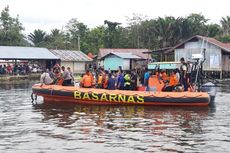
(76, 67)
(226, 62)
(67, 64)
(126, 64)
(112, 62)
(79, 67)
(213, 54)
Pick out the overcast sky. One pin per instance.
(50, 14)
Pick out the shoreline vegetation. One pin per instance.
(140, 32)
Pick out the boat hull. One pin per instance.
(65, 94)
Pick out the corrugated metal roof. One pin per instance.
(126, 55)
(223, 46)
(25, 53)
(71, 55)
(139, 52)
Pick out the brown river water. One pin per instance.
(52, 128)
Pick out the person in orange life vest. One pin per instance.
(164, 75)
(105, 80)
(87, 81)
(58, 80)
(154, 83)
(92, 78)
(99, 81)
(173, 81)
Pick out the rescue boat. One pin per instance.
(70, 94)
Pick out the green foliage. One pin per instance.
(10, 29)
(213, 30)
(140, 33)
(225, 39)
(77, 32)
(38, 37)
(225, 23)
(95, 39)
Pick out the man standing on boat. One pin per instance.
(184, 76)
(146, 79)
(45, 78)
(66, 76)
(87, 81)
(133, 80)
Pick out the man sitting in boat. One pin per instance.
(45, 78)
(154, 83)
(164, 75)
(87, 80)
(58, 80)
(173, 81)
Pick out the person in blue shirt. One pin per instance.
(111, 82)
(120, 80)
(146, 78)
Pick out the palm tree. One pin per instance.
(56, 33)
(165, 29)
(37, 37)
(56, 39)
(225, 23)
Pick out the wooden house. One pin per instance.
(127, 59)
(217, 54)
(76, 60)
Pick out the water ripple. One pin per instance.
(106, 129)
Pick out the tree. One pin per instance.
(10, 29)
(95, 39)
(77, 31)
(225, 24)
(136, 30)
(56, 39)
(213, 30)
(111, 34)
(38, 37)
(197, 24)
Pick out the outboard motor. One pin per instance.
(210, 89)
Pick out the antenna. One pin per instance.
(200, 61)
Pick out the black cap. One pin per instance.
(182, 59)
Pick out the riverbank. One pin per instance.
(9, 78)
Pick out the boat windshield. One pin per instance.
(164, 65)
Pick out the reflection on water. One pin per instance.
(56, 127)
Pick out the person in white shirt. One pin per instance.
(66, 76)
(71, 74)
(45, 78)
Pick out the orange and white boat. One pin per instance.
(65, 94)
(204, 96)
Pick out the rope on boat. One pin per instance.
(135, 94)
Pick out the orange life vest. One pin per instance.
(155, 82)
(105, 82)
(99, 81)
(86, 81)
(173, 80)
